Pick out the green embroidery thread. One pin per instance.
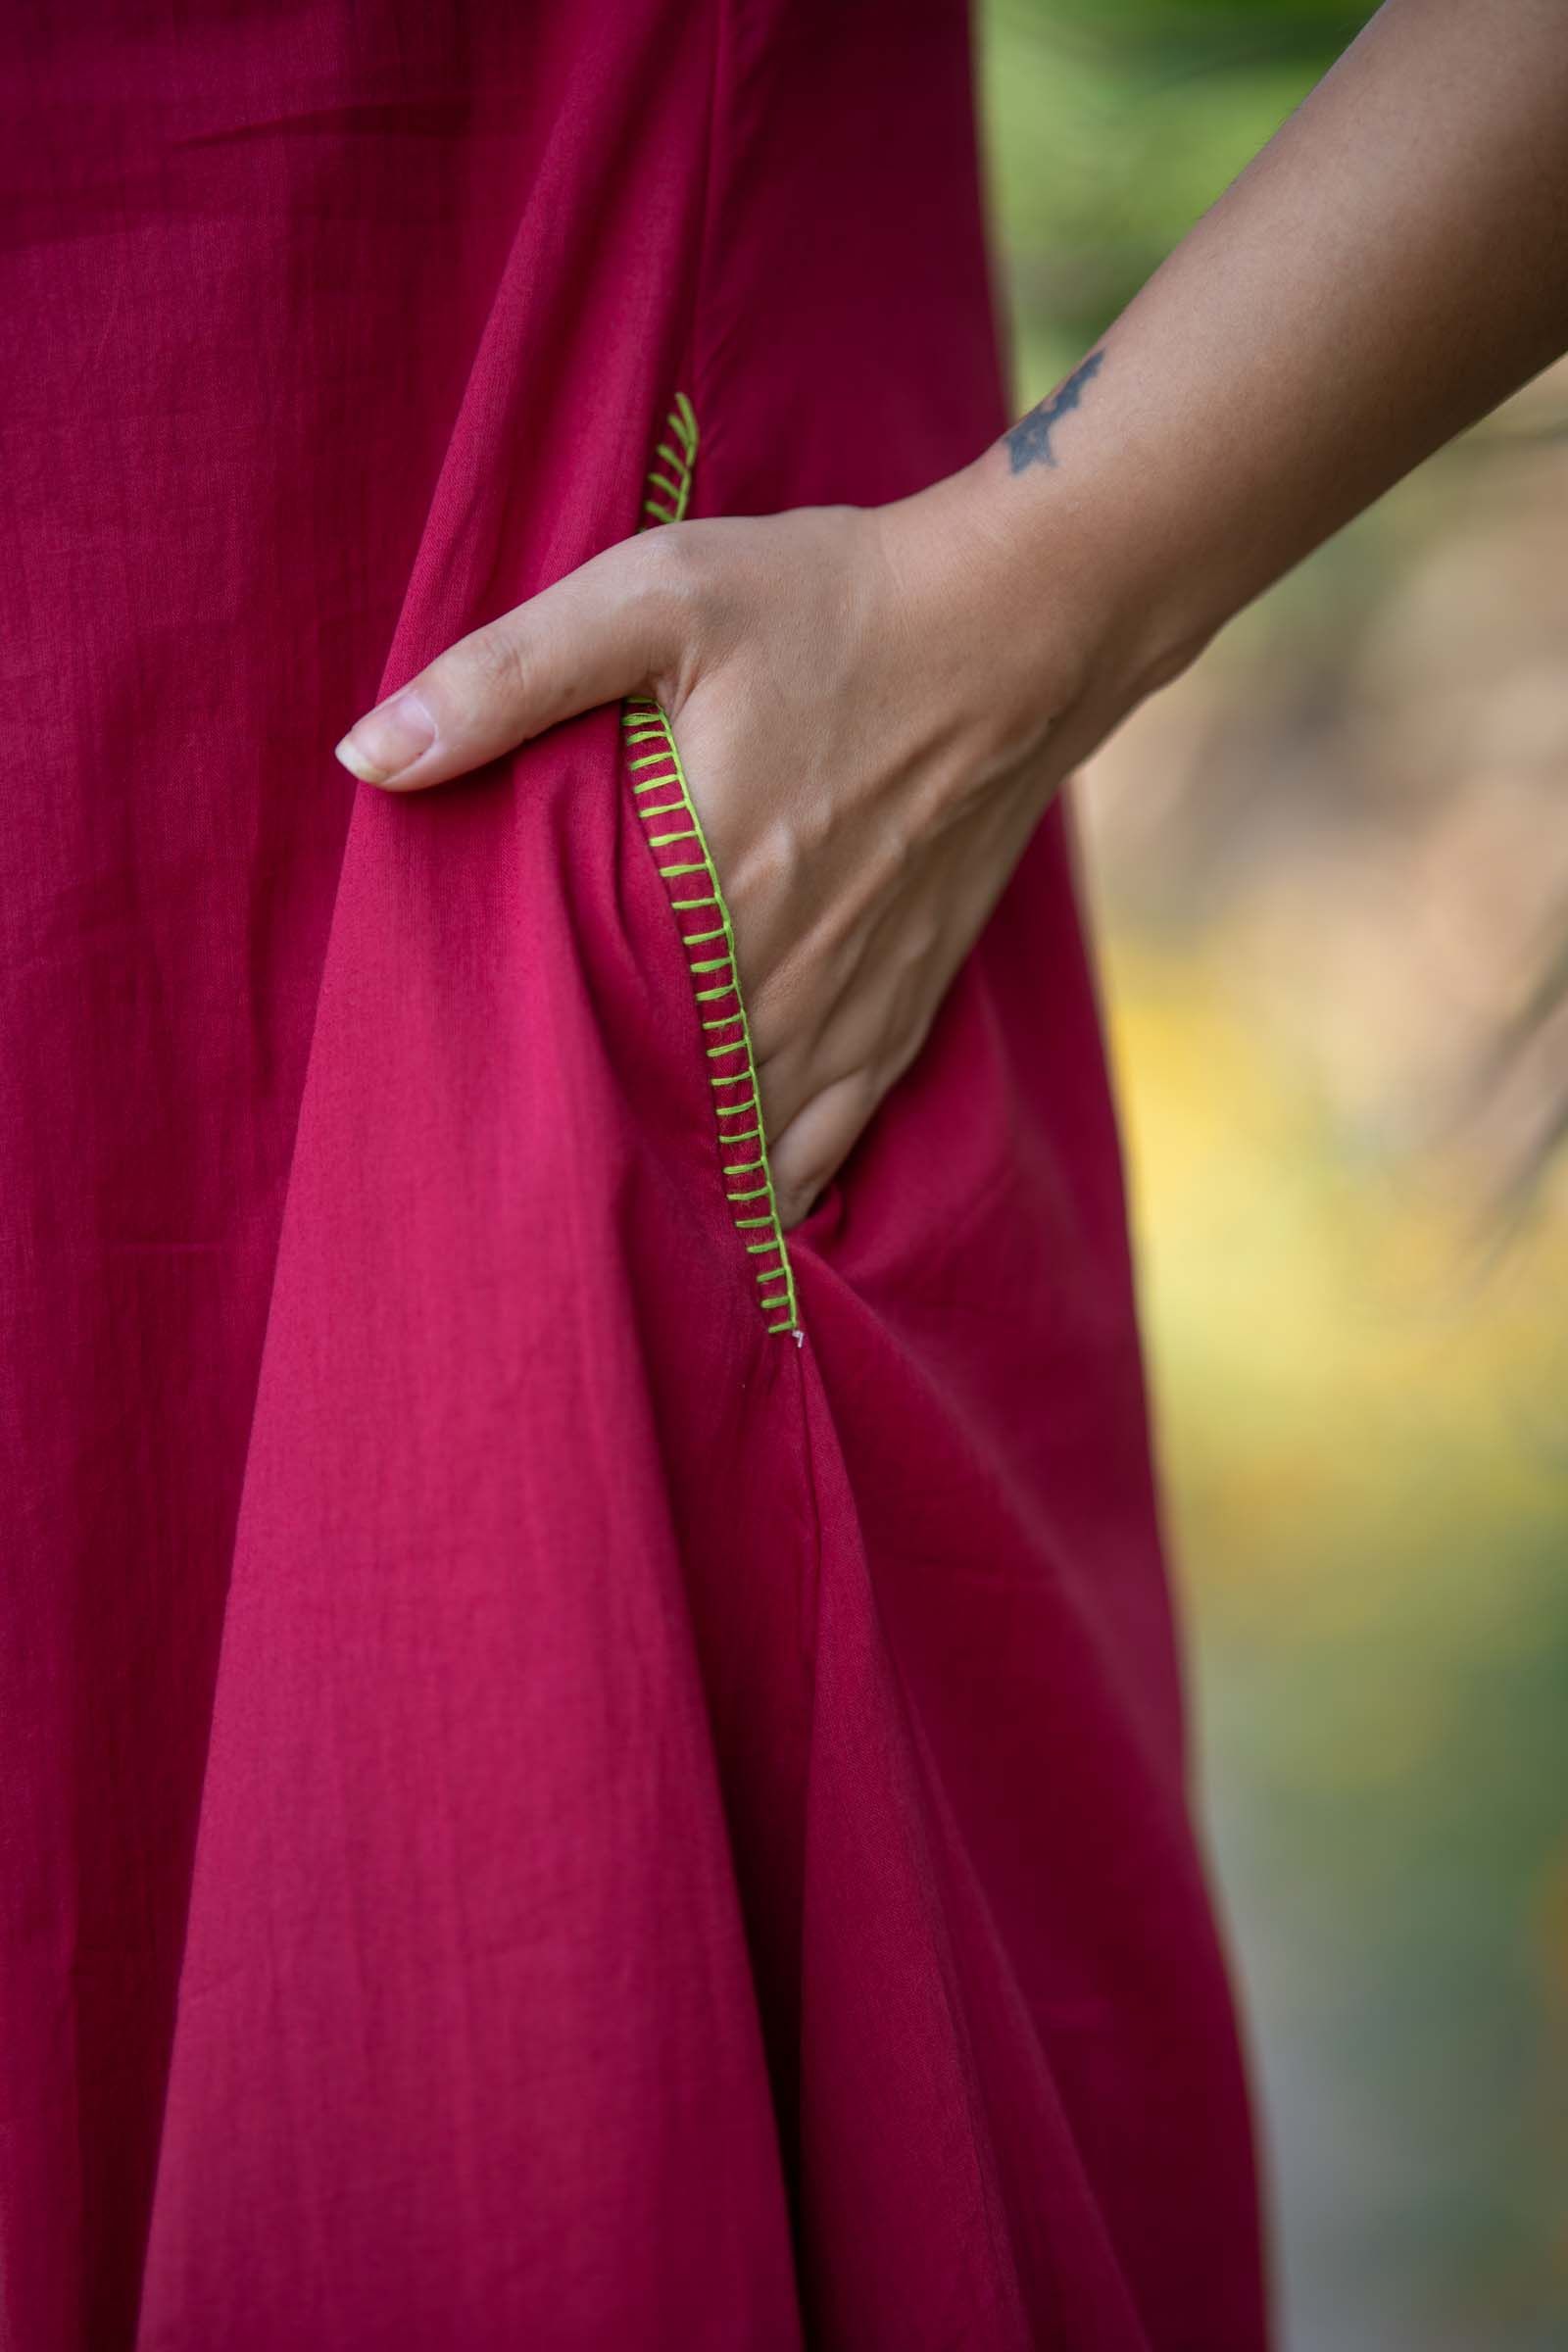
(660, 787)
(665, 499)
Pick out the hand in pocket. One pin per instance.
(867, 740)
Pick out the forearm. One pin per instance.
(1390, 267)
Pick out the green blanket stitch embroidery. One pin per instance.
(655, 767)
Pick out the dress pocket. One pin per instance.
(675, 834)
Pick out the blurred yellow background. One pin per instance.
(1331, 876)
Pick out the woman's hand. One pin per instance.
(874, 705)
(869, 737)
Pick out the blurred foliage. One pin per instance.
(1117, 127)
(1331, 873)
(1366, 1474)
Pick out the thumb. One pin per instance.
(606, 630)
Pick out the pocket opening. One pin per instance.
(675, 835)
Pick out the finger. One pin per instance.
(817, 1141)
(606, 630)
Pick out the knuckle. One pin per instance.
(498, 671)
(673, 575)
(478, 683)
(766, 1017)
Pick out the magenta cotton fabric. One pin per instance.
(536, 1811)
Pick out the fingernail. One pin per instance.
(387, 741)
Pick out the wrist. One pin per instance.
(1072, 586)
(1024, 631)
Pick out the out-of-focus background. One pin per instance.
(1331, 874)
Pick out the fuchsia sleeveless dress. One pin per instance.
(571, 1775)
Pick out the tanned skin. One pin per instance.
(875, 705)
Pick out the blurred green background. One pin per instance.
(1331, 874)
